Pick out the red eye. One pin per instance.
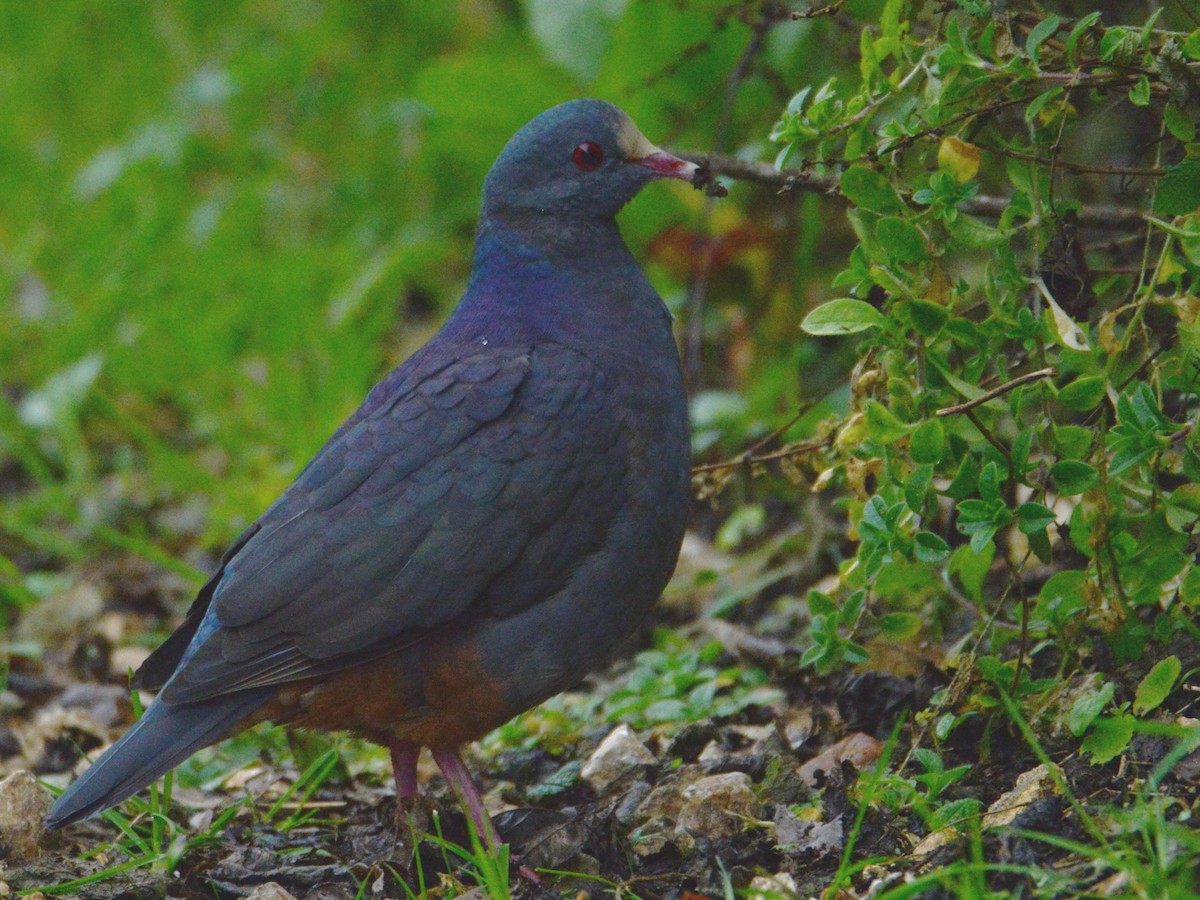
(588, 156)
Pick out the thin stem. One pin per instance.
(1100, 216)
(997, 392)
(994, 441)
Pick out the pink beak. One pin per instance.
(664, 165)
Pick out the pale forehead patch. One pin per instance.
(633, 143)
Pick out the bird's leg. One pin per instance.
(404, 768)
(468, 794)
(410, 814)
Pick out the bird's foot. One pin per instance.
(412, 823)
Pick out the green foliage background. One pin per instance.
(221, 223)
(964, 316)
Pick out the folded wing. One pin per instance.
(470, 488)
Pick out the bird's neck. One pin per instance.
(564, 243)
(578, 280)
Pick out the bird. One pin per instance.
(490, 525)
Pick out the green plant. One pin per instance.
(680, 683)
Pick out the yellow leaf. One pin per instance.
(1069, 332)
(958, 158)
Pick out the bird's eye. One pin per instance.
(588, 156)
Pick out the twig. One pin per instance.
(1077, 168)
(994, 441)
(749, 452)
(827, 10)
(1102, 216)
(997, 392)
(1023, 644)
(742, 459)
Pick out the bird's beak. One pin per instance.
(664, 165)
(638, 151)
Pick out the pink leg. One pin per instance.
(404, 768)
(409, 816)
(460, 780)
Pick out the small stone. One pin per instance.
(717, 806)
(112, 625)
(61, 613)
(656, 815)
(1115, 885)
(933, 842)
(627, 809)
(858, 749)
(270, 891)
(772, 887)
(617, 754)
(50, 743)
(1037, 783)
(810, 836)
(23, 806)
(105, 704)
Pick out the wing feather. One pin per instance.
(478, 490)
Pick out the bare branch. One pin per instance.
(1102, 216)
(743, 459)
(997, 392)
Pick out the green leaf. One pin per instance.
(1119, 45)
(930, 548)
(1179, 123)
(871, 190)
(1183, 508)
(1157, 685)
(965, 479)
(1139, 94)
(1072, 441)
(900, 626)
(1179, 189)
(1191, 45)
(901, 239)
(842, 316)
(1083, 394)
(1039, 543)
(853, 608)
(1085, 710)
(981, 520)
(916, 487)
(820, 604)
(927, 317)
(1035, 107)
(971, 567)
(1033, 518)
(882, 424)
(1039, 34)
(928, 442)
(1081, 27)
(1108, 738)
(973, 234)
(1062, 597)
(989, 484)
(1073, 477)
(1191, 464)
(945, 725)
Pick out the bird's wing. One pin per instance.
(475, 488)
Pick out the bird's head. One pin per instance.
(581, 160)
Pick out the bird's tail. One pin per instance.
(163, 737)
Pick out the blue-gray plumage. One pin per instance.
(494, 520)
